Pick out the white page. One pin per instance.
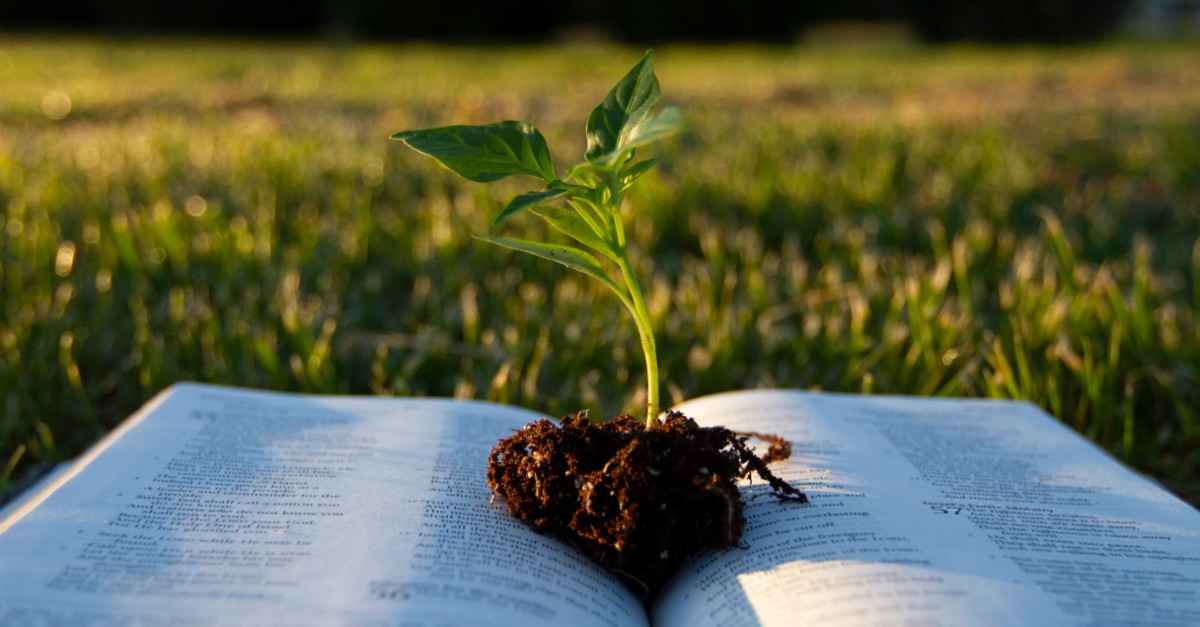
(940, 512)
(234, 507)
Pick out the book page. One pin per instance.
(939, 512)
(232, 507)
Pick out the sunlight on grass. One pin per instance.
(1018, 223)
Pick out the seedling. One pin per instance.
(640, 501)
(592, 191)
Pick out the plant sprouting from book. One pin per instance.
(643, 496)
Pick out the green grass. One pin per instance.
(1017, 223)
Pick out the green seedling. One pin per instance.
(589, 194)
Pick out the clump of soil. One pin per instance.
(638, 501)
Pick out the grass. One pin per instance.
(1013, 223)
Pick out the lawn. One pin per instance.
(1014, 223)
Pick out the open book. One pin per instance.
(216, 506)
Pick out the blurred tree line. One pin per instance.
(628, 20)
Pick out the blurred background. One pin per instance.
(973, 198)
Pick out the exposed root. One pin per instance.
(778, 449)
(782, 490)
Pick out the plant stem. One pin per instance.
(636, 303)
(642, 317)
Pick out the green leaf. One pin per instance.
(635, 171)
(586, 168)
(623, 109)
(667, 123)
(571, 223)
(485, 153)
(570, 257)
(530, 199)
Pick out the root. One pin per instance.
(778, 450)
(781, 489)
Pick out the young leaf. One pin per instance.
(667, 123)
(635, 171)
(623, 109)
(485, 153)
(570, 257)
(569, 222)
(530, 199)
(587, 168)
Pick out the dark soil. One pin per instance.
(638, 501)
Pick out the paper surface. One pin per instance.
(218, 506)
(236, 507)
(940, 512)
